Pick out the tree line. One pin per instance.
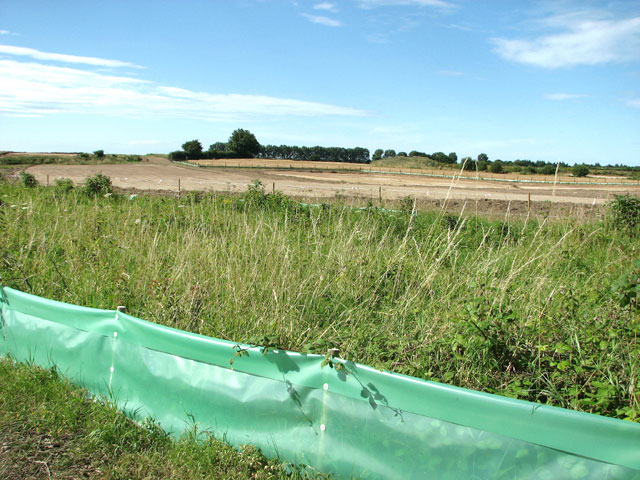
(243, 144)
(316, 154)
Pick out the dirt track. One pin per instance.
(157, 173)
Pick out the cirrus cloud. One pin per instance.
(321, 20)
(36, 89)
(60, 57)
(583, 41)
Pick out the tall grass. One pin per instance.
(521, 308)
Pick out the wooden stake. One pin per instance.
(529, 204)
(178, 186)
(380, 194)
(273, 190)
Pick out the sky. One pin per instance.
(540, 80)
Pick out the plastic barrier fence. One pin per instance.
(353, 422)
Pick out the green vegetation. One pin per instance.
(580, 170)
(50, 429)
(63, 185)
(519, 308)
(76, 159)
(412, 161)
(28, 180)
(243, 144)
(97, 185)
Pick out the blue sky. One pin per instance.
(556, 80)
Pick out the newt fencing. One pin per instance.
(344, 418)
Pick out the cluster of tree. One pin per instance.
(242, 144)
(316, 154)
(437, 156)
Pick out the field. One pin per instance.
(534, 306)
(521, 307)
(319, 182)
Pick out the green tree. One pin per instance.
(496, 167)
(389, 153)
(218, 147)
(192, 148)
(468, 163)
(580, 170)
(377, 155)
(99, 153)
(483, 157)
(243, 143)
(453, 157)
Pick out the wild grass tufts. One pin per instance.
(522, 308)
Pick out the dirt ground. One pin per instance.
(158, 174)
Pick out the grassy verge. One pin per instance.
(79, 159)
(50, 429)
(521, 308)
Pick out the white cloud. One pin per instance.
(29, 88)
(584, 41)
(405, 3)
(635, 103)
(563, 96)
(329, 7)
(59, 57)
(320, 20)
(5, 32)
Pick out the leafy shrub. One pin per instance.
(548, 170)
(177, 156)
(63, 185)
(580, 170)
(626, 211)
(496, 167)
(99, 153)
(28, 180)
(627, 287)
(97, 185)
(84, 156)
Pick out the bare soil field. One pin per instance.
(158, 174)
(443, 172)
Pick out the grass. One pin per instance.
(79, 159)
(412, 162)
(522, 308)
(51, 429)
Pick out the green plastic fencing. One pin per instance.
(352, 422)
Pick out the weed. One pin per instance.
(98, 184)
(28, 180)
(63, 185)
(627, 287)
(514, 308)
(626, 212)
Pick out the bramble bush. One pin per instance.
(28, 180)
(626, 212)
(97, 185)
